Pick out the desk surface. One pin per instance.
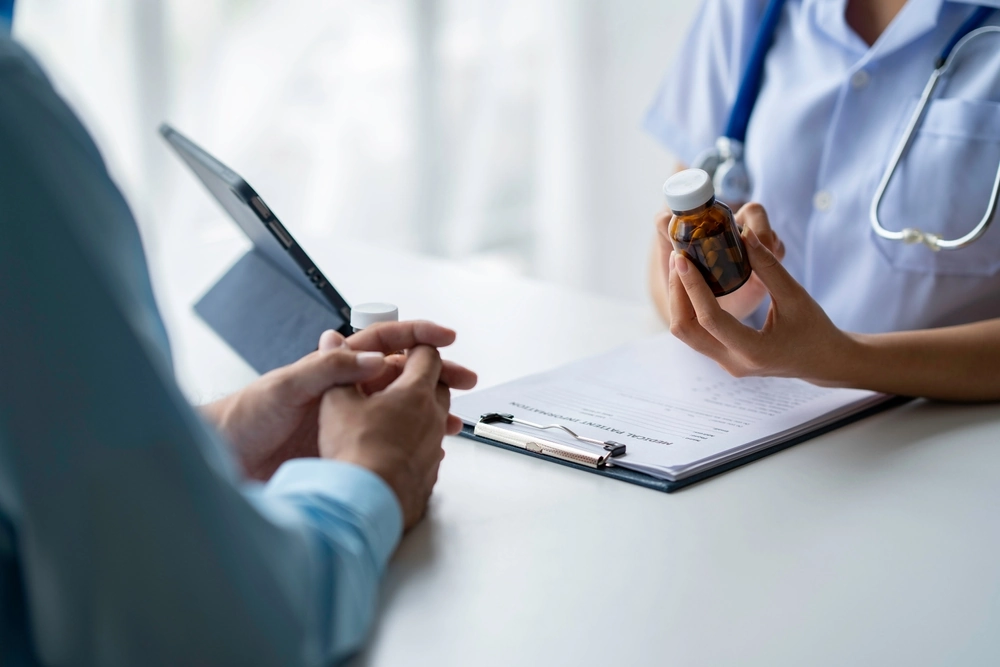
(875, 544)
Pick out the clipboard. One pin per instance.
(497, 436)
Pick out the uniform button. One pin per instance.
(860, 79)
(822, 200)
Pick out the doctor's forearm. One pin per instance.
(960, 363)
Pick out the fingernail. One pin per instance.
(671, 262)
(330, 340)
(682, 264)
(751, 237)
(368, 360)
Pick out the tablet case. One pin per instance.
(265, 316)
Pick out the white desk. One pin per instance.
(877, 544)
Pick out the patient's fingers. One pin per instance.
(330, 340)
(393, 368)
(455, 376)
(391, 337)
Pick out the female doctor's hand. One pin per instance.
(797, 340)
(747, 298)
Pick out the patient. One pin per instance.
(136, 531)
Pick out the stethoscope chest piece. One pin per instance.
(724, 163)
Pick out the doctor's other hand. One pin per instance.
(797, 340)
(743, 301)
(395, 432)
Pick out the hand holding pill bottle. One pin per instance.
(704, 230)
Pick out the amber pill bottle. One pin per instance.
(704, 230)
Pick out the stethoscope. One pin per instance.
(725, 162)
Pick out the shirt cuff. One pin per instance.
(378, 514)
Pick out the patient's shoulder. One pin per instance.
(15, 60)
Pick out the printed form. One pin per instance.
(677, 412)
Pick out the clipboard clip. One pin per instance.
(487, 427)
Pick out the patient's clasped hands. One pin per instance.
(350, 402)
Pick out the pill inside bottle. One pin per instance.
(705, 232)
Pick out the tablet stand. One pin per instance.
(265, 316)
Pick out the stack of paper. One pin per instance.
(677, 412)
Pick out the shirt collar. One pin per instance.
(915, 19)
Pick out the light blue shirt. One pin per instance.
(126, 535)
(831, 111)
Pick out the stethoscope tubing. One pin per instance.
(725, 163)
(746, 96)
(912, 235)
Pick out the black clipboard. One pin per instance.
(668, 486)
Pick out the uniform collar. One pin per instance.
(915, 19)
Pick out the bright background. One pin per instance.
(504, 134)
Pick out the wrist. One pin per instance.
(838, 364)
(220, 415)
(379, 465)
(371, 458)
(215, 412)
(846, 363)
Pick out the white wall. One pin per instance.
(503, 133)
(600, 175)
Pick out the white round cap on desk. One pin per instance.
(366, 314)
(688, 189)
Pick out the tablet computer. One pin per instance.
(259, 223)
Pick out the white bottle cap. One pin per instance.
(688, 189)
(366, 314)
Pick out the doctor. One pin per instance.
(830, 301)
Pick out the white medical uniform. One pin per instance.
(830, 112)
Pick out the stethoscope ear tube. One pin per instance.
(911, 235)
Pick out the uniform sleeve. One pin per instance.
(134, 539)
(692, 106)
